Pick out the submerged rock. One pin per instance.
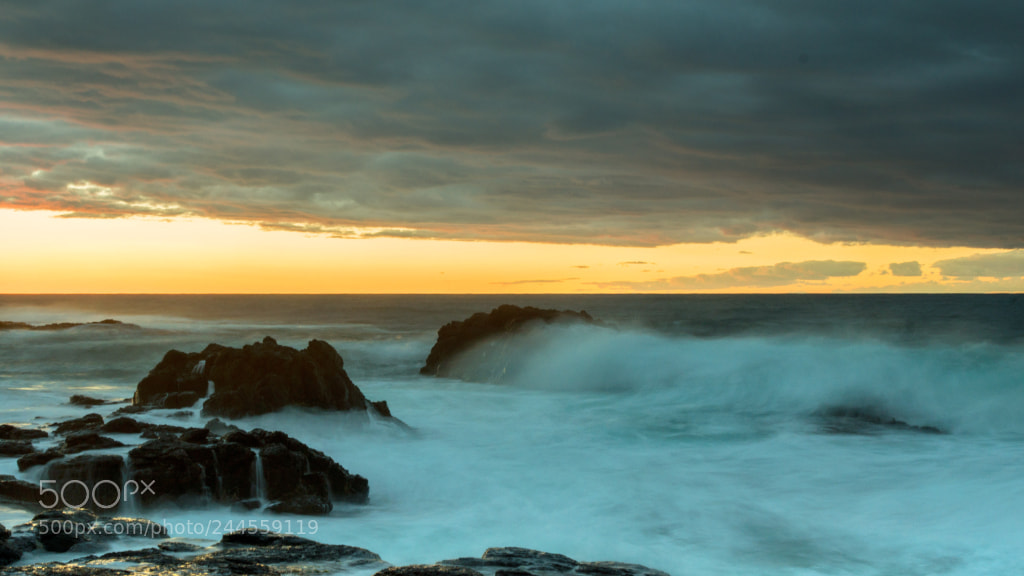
(520, 561)
(865, 420)
(457, 337)
(7, 325)
(256, 379)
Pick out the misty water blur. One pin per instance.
(684, 440)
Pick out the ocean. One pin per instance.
(687, 433)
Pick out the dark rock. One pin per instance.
(457, 337)
(93, 482)
(343, 484)
(19, 491)
(5, 325)
(131, 409)
(235, 469)
(381, 406)
(242, 437)
(428, 570)
(87, 401)
(87, 422)
(16, 447)
(175, 546)
(9, 432)
(256, 379)
(272, 548)
(9, 554)
(514, 561)
(180, 400)
(312, 496)
(175, 374)
(59, 530)
(866, 421)
(123, 425)
(196, 435)
(39, 458)
(82, 441)
(219, 428)
(172, 465)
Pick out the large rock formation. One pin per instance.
(457, 337)
(198, 466)
(256, 379)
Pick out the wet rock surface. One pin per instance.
(198, 466)
(459, 336)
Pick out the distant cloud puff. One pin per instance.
(1001, 265)
(912, 268)
(780, 274)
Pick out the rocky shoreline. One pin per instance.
(222, 464)
(246, 552)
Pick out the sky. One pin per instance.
(570, 146)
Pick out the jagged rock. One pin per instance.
(124, 425)
(16, 447)
(82, 441)
(496, 561)
(39, 458)
(343, 484)
(94, 482)
(256, 379)
(301, 480)
(87, 422)
(86, 401)
(196, 435)
(457, 337)
(10, 432)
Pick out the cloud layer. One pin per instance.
(781, 274)
(626, 123)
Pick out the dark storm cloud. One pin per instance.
(632, 123)
(781, 274)
(912, 268)
(1000, 265)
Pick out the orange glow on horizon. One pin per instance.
(43, 253)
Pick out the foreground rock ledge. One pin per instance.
(456, 337)
(256, 379)
(262, 552)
